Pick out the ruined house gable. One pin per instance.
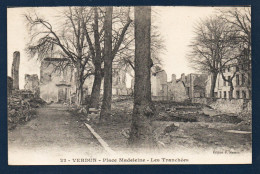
(56, 79)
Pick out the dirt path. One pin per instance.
(54, 134)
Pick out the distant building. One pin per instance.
(59, 85)
(241, 83)
(118, 82)
(55, 84)
(195, 84)
(159, 83)
(187, 87)
(32, 83)
(177, 90)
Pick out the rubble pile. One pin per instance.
(193, 113)
(21, 107)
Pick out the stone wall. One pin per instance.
(177, 91)
(15, 69)
(59, 85)
(159, 83)
(52, 78)
(32, 83)
(228, 106)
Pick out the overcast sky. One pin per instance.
(175, 24)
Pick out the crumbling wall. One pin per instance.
(32, 84)
(52, 74)
(159, 84)
(200, 84)
(235, 106)
(228, 106)
(21, 107)
(178, 92)
(15, 69)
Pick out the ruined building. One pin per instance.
(159, 83)
(177, 90)
(195, 84)
(59, 85)
(187, 87)
(56, 84)
(32, 83)
(31, 87)
(118, 82)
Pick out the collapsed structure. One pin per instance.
(56, 80)
(58, 83)
(187, 87)
(32, 84)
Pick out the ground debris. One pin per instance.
(170, 128)
(125, 132)
(21, 107)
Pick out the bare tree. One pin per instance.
(67, 42)
(141, 129)
(240, 20)
(126, 54)
(107, 96)
(98, 52)
(109, 57)
(122, 47)
(211, 45)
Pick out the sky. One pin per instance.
(174, 23)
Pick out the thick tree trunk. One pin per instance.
(79, 93)
(95, 94)
(107, 96)
(231, 91)
(79, 86)
(141, 130)
(213, 84)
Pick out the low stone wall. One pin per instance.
(200, 100)
(169, 98)
(21, 107)
(226, 105)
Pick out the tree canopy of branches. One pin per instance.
(220, 43)
(208, 47)
(79, 37)
(120, 22)
(66, 42)
(240, 20)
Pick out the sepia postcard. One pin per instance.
(129, 85)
